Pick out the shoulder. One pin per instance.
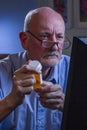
(61, 71)
(18, 57)
(63, 65)
(65, 60)
(13, 60)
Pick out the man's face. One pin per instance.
(50, 29)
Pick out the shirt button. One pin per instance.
(40, 123)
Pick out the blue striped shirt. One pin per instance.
(31, 115)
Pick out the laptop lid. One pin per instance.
(75, 107)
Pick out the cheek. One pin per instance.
(60, 52)
(35, 50)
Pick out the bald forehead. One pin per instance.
(46, 12)
(41, 16)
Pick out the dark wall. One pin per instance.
(12, 14)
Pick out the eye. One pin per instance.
(44, 36)
(60, 37)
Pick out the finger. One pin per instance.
(26, 69)
(25, 90)
(49, 88)
(53, 104)
(24, 82)
(24, 76)
(55, 95)
(51, 101)
(27, 82)
(45, 83)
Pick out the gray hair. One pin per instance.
(28, 19)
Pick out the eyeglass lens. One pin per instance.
(48, 44)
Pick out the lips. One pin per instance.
(51, 54)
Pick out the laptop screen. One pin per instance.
(75, 107)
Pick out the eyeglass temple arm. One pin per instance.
(34, 36)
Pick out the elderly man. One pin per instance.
(21, 106)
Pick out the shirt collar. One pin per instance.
(53, 75)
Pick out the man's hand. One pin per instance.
(51, 96)
(23, 81)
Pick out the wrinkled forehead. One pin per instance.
(47, 19)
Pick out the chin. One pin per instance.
(49, 63)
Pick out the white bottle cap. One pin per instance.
(35, 64)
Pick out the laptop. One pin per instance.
(75, 107)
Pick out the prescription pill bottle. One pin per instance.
(36, 65)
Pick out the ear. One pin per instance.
(23, 39)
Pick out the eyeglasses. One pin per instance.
(48, 44)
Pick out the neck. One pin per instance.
(45, 71)
(28, 56)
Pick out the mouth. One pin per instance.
(51, 55)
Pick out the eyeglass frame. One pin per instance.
(42, 41)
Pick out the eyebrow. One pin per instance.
(47, 32)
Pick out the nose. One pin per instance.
(53, 38)
(54, 47)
